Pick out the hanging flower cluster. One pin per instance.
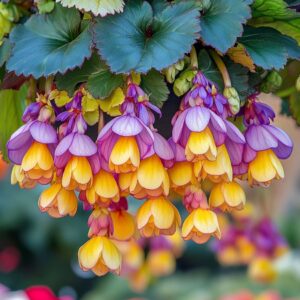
(129, 158)
(256, 243)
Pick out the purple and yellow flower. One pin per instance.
(32, 147)
(18, 177)
(58, 202)
(100, 255)
(227, 196)
(268, 144)
(157, 216)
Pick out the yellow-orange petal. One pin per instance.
(49, 195)
(67, 203)
(105, 185)
(181, 173)
(161, 262)
(82, 173)
(111, 255)
(123, 224)
(90, 253)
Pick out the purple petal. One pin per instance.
(127, 126)
(43, 133)
(105, 146)
(259, 138)
(64, 144)
(197, 118)
(106, 130)
(178, 151)
(82, 145)
(162, 148)
(234, 134)
(285, 144)
(178, 126)
(62, 117)
(249, 154)
(235, 151)
(219, 136)
(95, 163)
(20, 137)
(217, 122)
(61, 160)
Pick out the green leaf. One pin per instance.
(45, 6)
(141, 39)
(12, 106)
(70, 81)
(222, 23)
(5, 49)
(294, 101)
(50, 44)
(97, 7)
(102, 82)
(276, 14)
(268, 48)
(155, 86)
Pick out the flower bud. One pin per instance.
(184, 82)
(272, 82)
(173, 70)
(233, 99)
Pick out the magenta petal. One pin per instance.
(127, 126)
(285, 144)
(106, 130)
(259, 138)
(249, 154)
(217, 122)
(235, 151)
(94, 161)
(82, 145)
(219, 136)
(43, 133)
(64, 144)
(61, 160)
(178, 126)
(178, 151)
(234, 134)
(162, 148)
(105, 146)
(20, 137)
(197, 118)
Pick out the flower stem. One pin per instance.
(194, 59)
(48, 84)
(101, 120)
(222, 68)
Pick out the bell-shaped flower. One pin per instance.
(100, 223)
(58, 202)
(32, 147)
(200, 225)
(199, 131)
(18, 177)
(100, 255)
(157, 216)
(227, 196)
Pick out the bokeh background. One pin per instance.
(38, 250)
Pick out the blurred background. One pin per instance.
(38, 250)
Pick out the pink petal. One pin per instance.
(178, 126)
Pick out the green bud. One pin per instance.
(271, 83)
(184, 82)
(233, 99)
(298, 84)
(173, 70)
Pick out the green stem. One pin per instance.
(222, 68)
(48, 84)
(286, 92)
(31, 94)
(194, 59)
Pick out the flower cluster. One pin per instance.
(129, 158)
(256, 243)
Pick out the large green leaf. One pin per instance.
(97, 7)
(276, 14)
(268, 48)
(141, 39)
(12, 105)
(156, 87)
(222, 23)
(50, 44)
(5, 49)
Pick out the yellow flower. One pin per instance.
(125, 155)
(38, 164)
(201, 146)
(104, 189)
(157, 216)
(161, 262)
(61, 98)
(18, 176)
(123, 225)
(77, 174)
(227, 196)
(200, 225)
(181, 175)
(229, 256)
(177, 243)
(217, 170)
(246, 249)
(264, 168)
(262, 270)
(58, 202)
(140, 279)
(100, 255)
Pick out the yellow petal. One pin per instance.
(143, 214)
(234, 194)
(206, 221)
(90, 252)
(44, 157)
(30, 158)
(123, 224)
(105, 185)
(83, 171)
(181, 173)
(67, 203)
(111, 255)
(49, 195)
(151, 173)
(163, 212)
(188, 225)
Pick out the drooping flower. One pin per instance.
(100, 255)
(267, 143)
(227, 196)
(58, 202)
(157, 216)
(18, 177)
